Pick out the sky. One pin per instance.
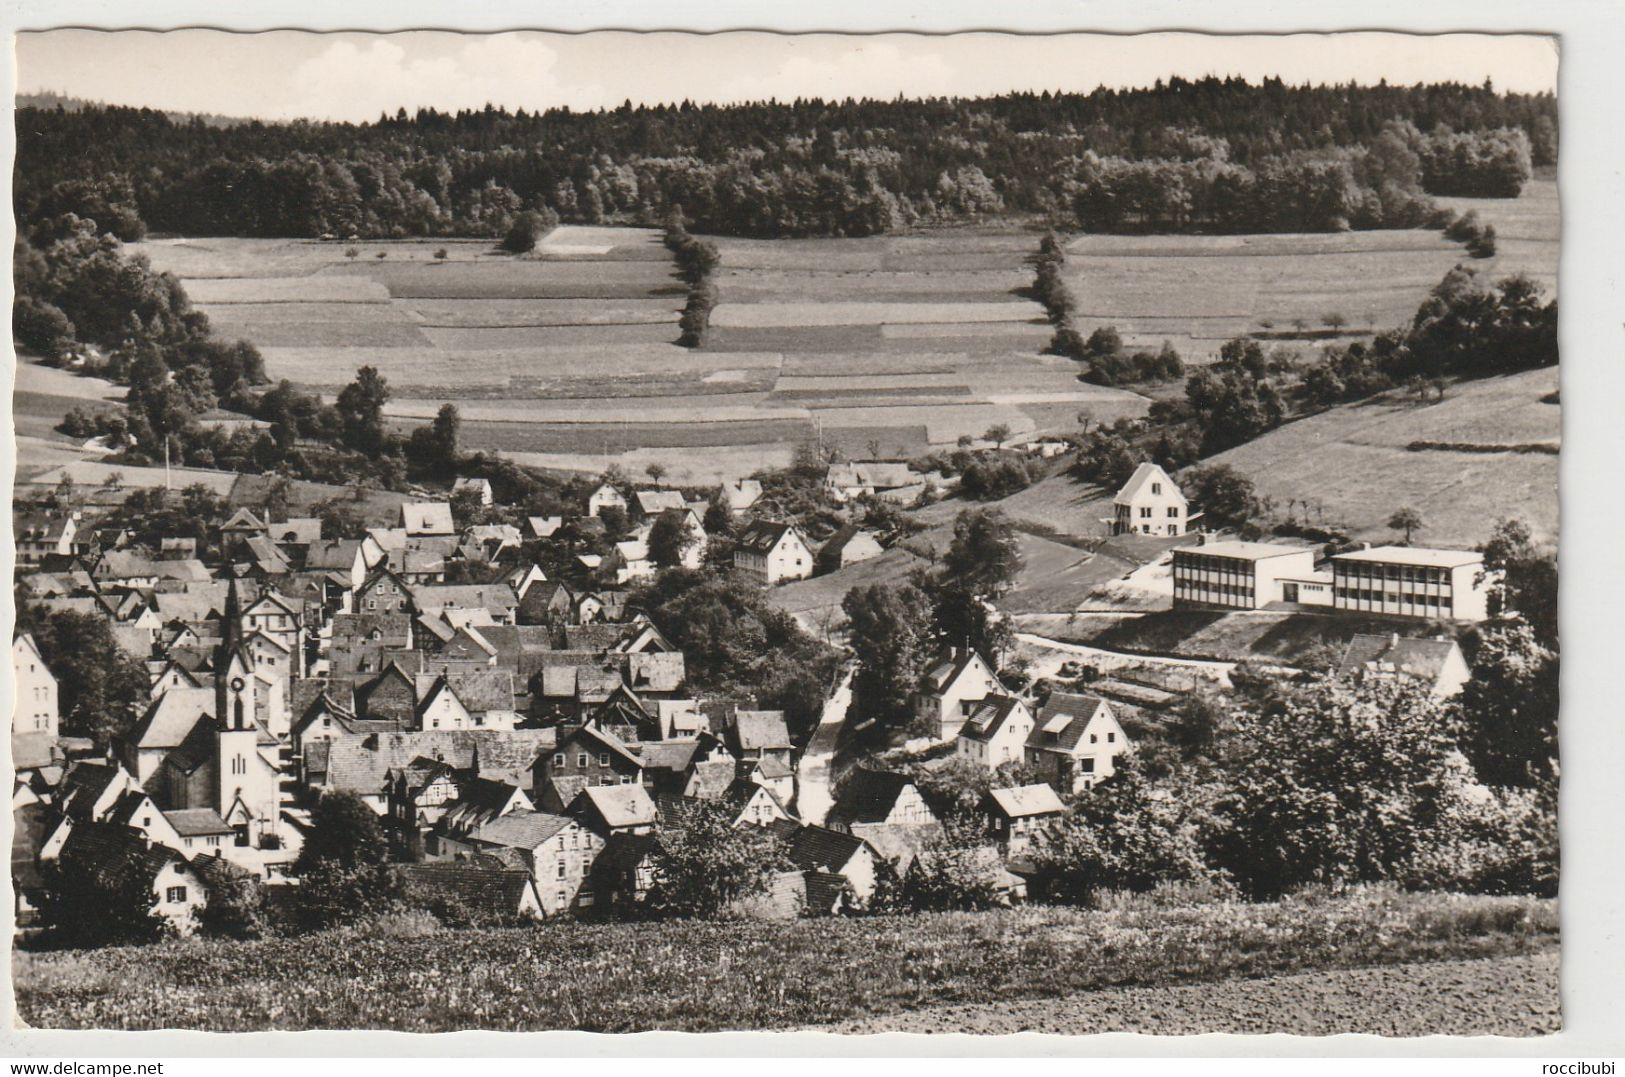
(283, 74)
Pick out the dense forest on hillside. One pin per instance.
(1210, 155)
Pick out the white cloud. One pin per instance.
(357, 81)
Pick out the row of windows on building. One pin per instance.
(1391, 598)
(1406, 573)
(1199, 589)
(1147, 510)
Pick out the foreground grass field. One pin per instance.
(701, 977)
(1503, 996)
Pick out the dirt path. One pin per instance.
(813, 795)
(1508, 996)
(1058, 653)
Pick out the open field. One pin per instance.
(816, 602)
(41, 396)
(905, 342)
(772, 974)
(900, 343)
(1526, 231)
(1352, 465)
(1199, 291)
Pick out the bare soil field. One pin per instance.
(1503, 996)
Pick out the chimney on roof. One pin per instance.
(1365, 545)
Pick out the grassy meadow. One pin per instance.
(1354, 467)
(752, 974)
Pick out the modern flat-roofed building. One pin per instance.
(1238, 575)
(1411, 581)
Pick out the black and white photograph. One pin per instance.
(620, 532)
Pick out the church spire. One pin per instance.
(230, 638)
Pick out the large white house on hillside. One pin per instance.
(1150, 503)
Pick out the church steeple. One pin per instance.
(230, 640)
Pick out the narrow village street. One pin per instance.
(815, 796)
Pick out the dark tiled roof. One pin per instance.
(816, 848)
(760, 730)
(197, 822)
(988, 717)
(621, 805)
(1423, 659)
(761, 536)
(110, 854)
(949, 668)
(495, 892)
(868, 796)
(1062, 720)
(522, 829)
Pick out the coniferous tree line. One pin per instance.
(1207, 154)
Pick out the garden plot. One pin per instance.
(455, 340)
(510, 313)
(261, 290)
(808, 314)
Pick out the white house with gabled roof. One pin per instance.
(994, 732)
(606, 496)
(1075, 741)
(770, 552)
(959, 678)
(35, 710)
(1150, 503)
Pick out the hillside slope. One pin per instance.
(1352, 467)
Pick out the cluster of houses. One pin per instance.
(517, 727)
(526, 743)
